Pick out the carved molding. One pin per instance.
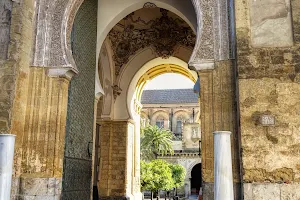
(214, 33)
(164, 34)
(191, 166)
(54, 23)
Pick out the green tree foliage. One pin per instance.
(156, 175)
(178, 175)
(160, 175)
(146, 176)
(155, 141)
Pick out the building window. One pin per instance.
(160, 123)
(179, 126)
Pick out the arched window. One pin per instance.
(179, 125)
(160, 122)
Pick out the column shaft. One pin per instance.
(223, 188)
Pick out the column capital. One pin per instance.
(222, 132)
(199, 66)
(61, 72)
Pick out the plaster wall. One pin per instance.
(106, 72)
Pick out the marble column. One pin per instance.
(186, 190)
(223, 188)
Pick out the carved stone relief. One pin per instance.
(54, 23)
(55, 20)
(214, 37)
(164, 34)
(5, 21)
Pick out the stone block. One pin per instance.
(34, 186)
(290, 192)
(266, 192)
(248, 189)
(271, 23)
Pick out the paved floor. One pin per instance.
(193, 197)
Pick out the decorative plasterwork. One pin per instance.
(214, 33)
(164, 34)
(149, 5)
(55, 19)
(54, 23)
(116, 91)
(191, 166)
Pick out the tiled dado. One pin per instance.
(36, 188)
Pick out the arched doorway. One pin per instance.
(196, 179)
(53, 52)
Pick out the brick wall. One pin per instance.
(80, 118)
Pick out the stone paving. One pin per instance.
(192, 197)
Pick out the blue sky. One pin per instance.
(169, 81)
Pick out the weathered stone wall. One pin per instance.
(16, 28)
(80, 118)
(268, 43)
(26, 109)
(5, 21)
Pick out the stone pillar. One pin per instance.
(217, 107)
(116, 159)
(223, 188)
(40, 130)
(187, 189)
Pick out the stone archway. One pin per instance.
(196, 179)
(52, 54)
(190, 168)
(55, 20)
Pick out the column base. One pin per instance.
(208, 191)
(35, 188)
(138, 196)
